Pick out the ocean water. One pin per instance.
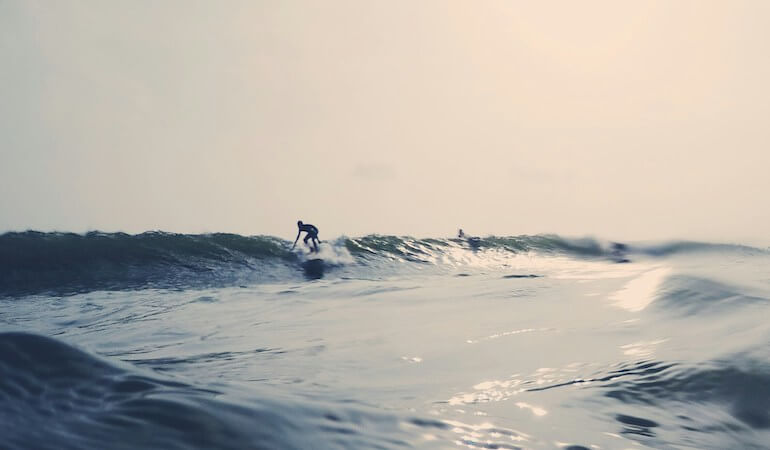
(222, 341)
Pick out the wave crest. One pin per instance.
(34, 262)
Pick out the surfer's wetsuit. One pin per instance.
(312, 233)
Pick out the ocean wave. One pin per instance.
(742, 386)
(718, 404)
(55, 396)
(34, 262)
(689, 295)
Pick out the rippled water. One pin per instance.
(534, 351)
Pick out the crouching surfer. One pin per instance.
(312, 235)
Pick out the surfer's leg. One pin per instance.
(314, 240)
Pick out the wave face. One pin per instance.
(739, 387)
(35, 262)
(82, 401)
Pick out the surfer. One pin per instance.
(473, 241)
(312, 234)
(618, 253)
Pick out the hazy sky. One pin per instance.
(620, 119)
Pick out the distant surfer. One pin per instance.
(618, 252)
(312, 234)
(473, 241)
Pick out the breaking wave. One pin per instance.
(35, 262)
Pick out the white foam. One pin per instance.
(331, 252)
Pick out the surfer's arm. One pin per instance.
(295, 240)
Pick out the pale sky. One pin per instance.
(617, 119)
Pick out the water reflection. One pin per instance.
(642, 348)
(486, 435)
(638, 293)
(536, 410)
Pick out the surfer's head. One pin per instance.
(299, 223)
